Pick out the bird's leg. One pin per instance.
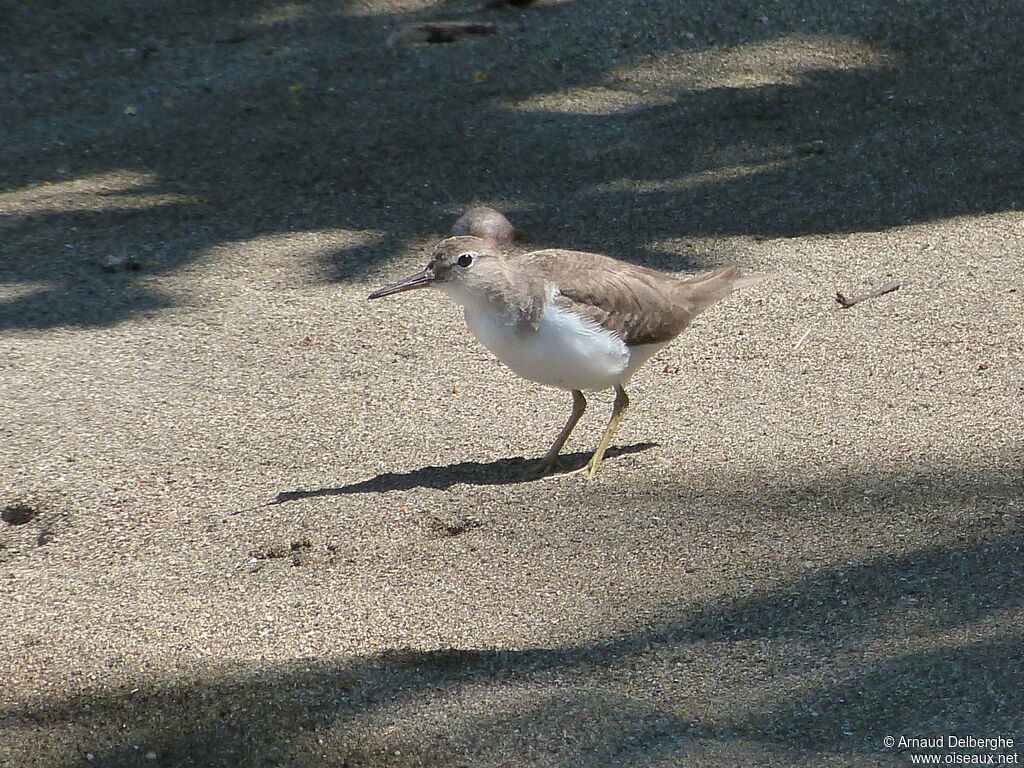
(618, 411)
(550, 461)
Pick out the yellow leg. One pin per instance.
(550, 461)
(618, 411)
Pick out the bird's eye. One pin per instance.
(465, 259)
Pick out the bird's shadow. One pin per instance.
(506, 471)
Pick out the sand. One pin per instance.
(252, 519)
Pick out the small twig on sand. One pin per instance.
(846, 303)
(803, 338)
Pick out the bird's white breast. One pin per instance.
(566, 350)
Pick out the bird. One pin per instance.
(488, 224)
(568, 319)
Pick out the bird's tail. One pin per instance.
(704, 290)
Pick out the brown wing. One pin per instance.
(637, 303)
(641, 305)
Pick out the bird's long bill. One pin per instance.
(419, 280)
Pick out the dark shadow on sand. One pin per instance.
(509, 471)
(319, 712)
(306, 121)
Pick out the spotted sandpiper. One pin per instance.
(568, 319)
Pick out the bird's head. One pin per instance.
(459, 266)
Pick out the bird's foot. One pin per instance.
(588, 470)
(549, 465)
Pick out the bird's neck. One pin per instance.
(516, 299)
